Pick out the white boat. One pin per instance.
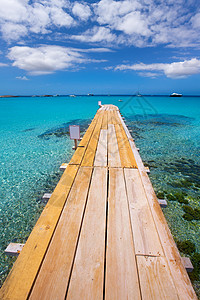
(72, 96)
(120, 100)
(176, 95)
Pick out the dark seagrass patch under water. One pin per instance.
(158, 120)
(189, 173)
(63, 129)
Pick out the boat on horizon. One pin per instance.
(176, 95)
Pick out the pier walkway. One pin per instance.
(102, 234)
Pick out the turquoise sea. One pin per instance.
(35, 142)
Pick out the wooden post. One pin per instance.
(74, 131)
(75, 144)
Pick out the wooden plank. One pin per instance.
(88, 271)
(89, 156)
(105, 120)
(179, 274)
(109, 117)
(113, 150)
(116, 117)
(125, 151)
(129, 136)
(155, 279)
(80, 151)
(114, 121)
(20, 279)
(121, 272)
(101, 153)
(146, 239)
(52, 280)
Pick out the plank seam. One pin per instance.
(145, 192)
(92, 136)
(30, 291)
(86, 146)
(132, 234)
(79, 234)
(106, 236)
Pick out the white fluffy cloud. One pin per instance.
(48, 59)
(61, 18)
(13, 31)
(139, 23)
(13, 10)
(81, 10)
(38, 17)
(173, 70)
(96, 34)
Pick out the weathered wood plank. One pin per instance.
(146, 239)
(80, 151)
(179, 274)
(88, 271)
(114, 120)
(121, 272)
(125, 151)
(19, 281)
(113, 150)
(89, 156)
(101, 153)
(109, 117)
(129, 136)
(155, 279)
(53, 278)
(116, 117)
(105, 120)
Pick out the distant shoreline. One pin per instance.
(97, 95)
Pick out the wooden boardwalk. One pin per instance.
(102, 234)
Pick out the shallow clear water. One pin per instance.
(34, 142)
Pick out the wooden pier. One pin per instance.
(102, 234)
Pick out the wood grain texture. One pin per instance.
(116, 117)
(155, 279)
(19, 281)
(109, 117)
(113, 150)
(146, 239)
(121, 272)
(52, 280)
(88, 271)
(179, 274)
(89, 156)
(105, 120)
(101, 153)
(126, 154)
(129, 136)
(80, 151)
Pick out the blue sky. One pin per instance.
(101, 47)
